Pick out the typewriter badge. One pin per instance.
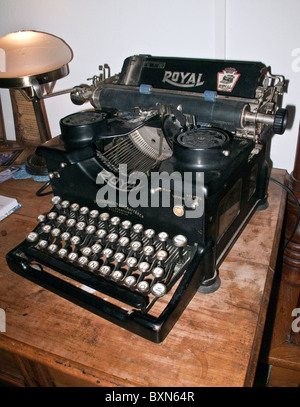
(178, 210)
(227, 79)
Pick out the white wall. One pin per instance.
(108, 31)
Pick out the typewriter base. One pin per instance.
(211, 286)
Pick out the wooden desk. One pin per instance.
(49, 341)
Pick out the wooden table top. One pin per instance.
(214, 343)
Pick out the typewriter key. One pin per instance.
(83, 260)
(74, 207)
(112, 237)
(163, 237)
(105, 270)
(161, 255)
(65, 236)
(32, 236)
(41, 218)
(115, 220)
(46, 228)
(52, 215)
(75, 240)
(101, 233)
(138, 229)
(130, 281)
(149, 233)
(158, 272)
(107, 253)
(94, 214)
(148, 250)
(179, 241)
(159, 289)
(143, 286)
(123, 241)
(93, 265)
(144, 267)
(96, 248)
(126, 224)
(61, 219)
(70, 222)
(90, 229)
(55, 232)
(80, 225)
(104, 218)
(53, 248)
(55, 200)
(62, 253)
(135, 245)
(84, 210)
(119, 257)
(65, 204)
(42, 244)
(86, 251)
(73, 256)
(117, 275)
(131, 262)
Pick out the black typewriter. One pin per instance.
(153, 186)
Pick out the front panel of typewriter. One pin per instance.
(153, 186)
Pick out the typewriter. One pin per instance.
(152, 186)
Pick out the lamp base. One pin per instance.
(36, 165)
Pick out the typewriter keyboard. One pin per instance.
(124, 260)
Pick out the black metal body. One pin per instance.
(236, 173)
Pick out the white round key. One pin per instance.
(143, 267)
(158, 272)
(90, 229)
(70, 222)
(53, 248)
(159, 289)
(117, 275)
(43, 244)
(75, 240)
(143, 286)
(161, 255)
(105, 270)
(96, 248)
(61, 219)
(55, 200)
(107, 253)
(46, 228)
(80, 225)
(62, 253)
(163, 236)
(130, 281)
(32, 237)
(73, 256)
(65, 236)
(83, 260)
(179, 241)
(119, 257)
(131, 262)
(86, 251)
(93, 265)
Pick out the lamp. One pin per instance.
(28, 61)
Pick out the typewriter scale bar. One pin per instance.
(85, 256)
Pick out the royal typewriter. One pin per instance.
(152, 186)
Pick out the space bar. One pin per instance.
(123, 294)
